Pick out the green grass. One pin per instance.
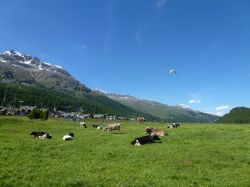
(193, 155)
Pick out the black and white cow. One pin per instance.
(68, 136)
(96, 126)
(145, 140)
(174, 125)
(41, 135)
(83, 124)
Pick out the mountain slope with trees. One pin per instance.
(239, 115)
(12, 94)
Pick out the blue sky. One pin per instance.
(128, 46)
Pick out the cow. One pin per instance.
(68, 136)
(153, 131)
(174, 125)
(96, 126)
(41, 135)
(112, 127)
(82, 124)
(141, 120)
(145, 140)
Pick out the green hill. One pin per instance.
(236, 115)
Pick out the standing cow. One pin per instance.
(112, 127)
(141, 120)
(83, 124)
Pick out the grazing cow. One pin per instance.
(145, 140)
(112, 127)
(82, 124)
(174, 125)
(68, 136)
(41, 135)
(96, 126)
(141, 120)
(153, 131)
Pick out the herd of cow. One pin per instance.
(153, 134)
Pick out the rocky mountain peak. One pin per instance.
(28, 62)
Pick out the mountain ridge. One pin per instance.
(23, 69)
(163, 111)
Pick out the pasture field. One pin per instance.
(193, 155)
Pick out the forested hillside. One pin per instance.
(236, 115)
(16, 94)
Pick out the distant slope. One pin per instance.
(236, 115)
(165, 112)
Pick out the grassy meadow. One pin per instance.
(193, 155)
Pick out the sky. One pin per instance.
(128, 46)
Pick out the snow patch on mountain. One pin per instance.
(18, 59)
(100, 90)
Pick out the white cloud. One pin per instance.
(161, 3)
(182, 106)
(194, 101)
(222, 107)
(220, 113)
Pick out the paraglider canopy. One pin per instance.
(172, 71)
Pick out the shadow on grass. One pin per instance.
(77, 184)
(117, 133)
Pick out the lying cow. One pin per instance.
(82, 124)
(112, 127)
(96, 126)
(174, 125)
(145, 140)
(153, 131)
(41, 135)
(68, 136)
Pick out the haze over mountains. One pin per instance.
(163, 111)
(22, 69)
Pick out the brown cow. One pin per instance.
(153, 131)
(112, 127)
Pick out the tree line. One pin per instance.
(18, 94)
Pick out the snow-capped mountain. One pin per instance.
(21, 68)
(32, 63)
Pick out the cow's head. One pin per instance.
(70, 134)
(49, 137)
(148, 130)
(33, 133)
